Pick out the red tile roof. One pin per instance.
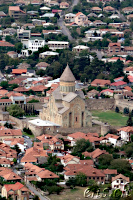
(121, 176)
(114, 44)
(5, 44)
(19, 71)
(119, 83)
(100, 82)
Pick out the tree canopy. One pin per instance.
(15, 110)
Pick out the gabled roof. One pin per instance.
(67, 75)
(16, 186)
(121, 176)
(126, 129)
(69, 97)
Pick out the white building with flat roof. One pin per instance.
(58, 45)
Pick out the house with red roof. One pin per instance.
(107, 92)
(35, 173)
(100, 82)
(16, 12)
(115, 140)
(81, 19)
(92, 173)
(128, 71)
(114, 47)
(125, 133)
(120, 182)
(109, 173)
(118, 85)
(114, 59)
(15, 191)
(6, 44)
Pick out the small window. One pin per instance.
(76, 119)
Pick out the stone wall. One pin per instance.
(122, 103)
(19, 122)
(100, 104)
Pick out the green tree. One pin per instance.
(81, 146)
(15, 110)
(105, 160)
(126, 111)
(18, 47)
(126, 79)
(81, 179)
(129, 121)
(117, 109)
(121, 165)
(4, 84)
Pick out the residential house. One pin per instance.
(96, 9)
(23, 72)
(53, 45)
(100, 82)
(32, 44)
(128, 50)
(119, 79)
(5, 102)
(107, 92)
(109, 9)
(23, 34)
(109, 173)
(16, 12)
(48, 53)
(120, 182)
(130, 17)
(8, 175)
(70, 17)
(40, 89)
(92, 93)
(114, 47)
(92, 174)
(64, 5)
(69, 159)
(35, 173)
(10, 133)
(42, 65)
(9, 32)
(112, 139)
(127, 10)
(98, 23)
(125, 133)
(81, 19)
(32, 154)
(114, 59)
(53, 143)
(12, 54)
(128, 71)
(2, 14)
(15, 191)
(80, 48)
(6, 44)
(95, 154)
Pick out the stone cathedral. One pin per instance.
(67, 106)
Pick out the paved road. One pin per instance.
(36, 192)
(65, 30)
(121, 15)
(60, 22)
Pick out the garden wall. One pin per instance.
(100, 104)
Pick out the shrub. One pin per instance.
(28, 131)
(117, 109)
(33, 101)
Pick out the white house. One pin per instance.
(58, 45)
(33, 44)
(48, 53)
(119, 182)
(128, 71)
(79, 48)
(113, 139)
(125, 133)
(69, 159)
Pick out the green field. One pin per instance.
(112, 118)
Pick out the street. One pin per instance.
(60, 22)
(36, 192)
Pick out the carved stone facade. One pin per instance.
(66, 106)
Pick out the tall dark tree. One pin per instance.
(129, 121)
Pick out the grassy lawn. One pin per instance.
(31, 136)
(112, 118)
(68, 194)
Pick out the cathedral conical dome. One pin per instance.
(67, 75)
(67, 81)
